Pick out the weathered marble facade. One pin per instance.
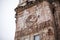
(37, 18)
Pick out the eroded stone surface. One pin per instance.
(37, 19)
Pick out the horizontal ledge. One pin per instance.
(30, 4)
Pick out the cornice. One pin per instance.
(28, 5)
(18, 9)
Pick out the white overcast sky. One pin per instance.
(7, 19)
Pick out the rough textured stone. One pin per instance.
(37, 19)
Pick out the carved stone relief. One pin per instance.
(31, 20)
(36, 20)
